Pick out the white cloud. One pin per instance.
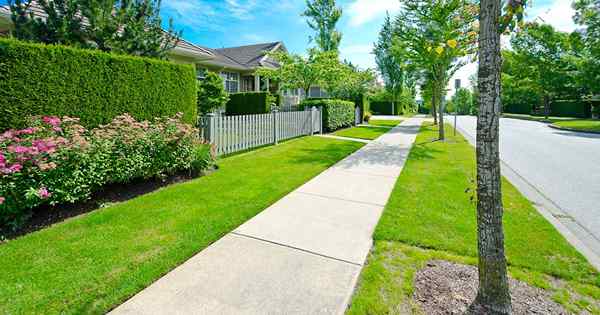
(242, 11)
(364, 11)
(558, 13)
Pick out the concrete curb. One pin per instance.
(546, 208)
(553, 126)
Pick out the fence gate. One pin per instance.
(232, 134)
(357, 116)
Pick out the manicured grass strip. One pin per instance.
(386, 285)
(94, 262)
(580, 125)
(384, 123)
(550, 119)
(431, 207)
(362, 132)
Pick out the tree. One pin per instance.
(123, 26)
(323, 16)
(493, 292)
(391, 69)
(295, 71)
(544, 53)
(435, 35)
(352, 82)
(211, 93)
(463, 102)
(588, 15)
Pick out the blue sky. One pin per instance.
(226, 23)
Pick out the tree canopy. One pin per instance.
(323, 16)
(123, 26)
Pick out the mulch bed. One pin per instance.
(443, 287)
(47, 215)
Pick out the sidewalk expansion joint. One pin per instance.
(295, 248)
(341, 199)
(340, 169)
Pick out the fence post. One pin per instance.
(209, 127)
(275, 133)
(312, 120)
(321, 120)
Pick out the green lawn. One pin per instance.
(362, 132)
(92, 263)
(550, 119)
(581, 125)
(384, 123)
(430, 214)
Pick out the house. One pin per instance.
(236, 65)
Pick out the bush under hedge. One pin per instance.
(37, 79)
(248, 103)
(337, 114)
(56, 161)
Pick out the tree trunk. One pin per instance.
(546, 106)
(493, 293)
(434, 105)
(442, 135)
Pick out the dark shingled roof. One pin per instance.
(250, 56)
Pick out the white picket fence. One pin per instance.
(232, 134)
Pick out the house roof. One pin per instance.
(251, 56)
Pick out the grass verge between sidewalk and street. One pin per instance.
(551, 119)
(585, 125)
(362, 132)
(92, 263)
(431, 214)
(384, 123)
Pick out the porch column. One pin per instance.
(268, 81)
(256, 83)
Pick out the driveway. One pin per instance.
(563, 166)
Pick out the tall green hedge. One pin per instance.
(38, 79)
(570, 109)
(336, 113)
(364, 104)
(248, 103)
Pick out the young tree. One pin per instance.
(295, 71)
(435, 35)
(211, 93)
(122, 26)
(493, 293)
(323, 16)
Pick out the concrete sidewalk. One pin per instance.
(302, 255)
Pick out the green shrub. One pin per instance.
(570, 109)
(381, 107)
(37, 79)
(57, 161)
(249, 103)
(336, 113)
(365, 106)
(211, 93)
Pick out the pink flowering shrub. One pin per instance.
(58, 161)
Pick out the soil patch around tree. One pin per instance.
(443, 287)
(47, 215)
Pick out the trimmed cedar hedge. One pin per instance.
(381, 107)
(518, 108)
(570, 109)
(248, 103)
(37, 79)
(336, 113)
(363, 103)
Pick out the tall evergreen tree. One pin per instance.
(124, 26)
(390, 67)
(323, 16)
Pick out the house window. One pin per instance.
(231, 81)
(200, 72)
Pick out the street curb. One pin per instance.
(545, 207)
(573, 130)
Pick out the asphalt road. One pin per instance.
(563, 166)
